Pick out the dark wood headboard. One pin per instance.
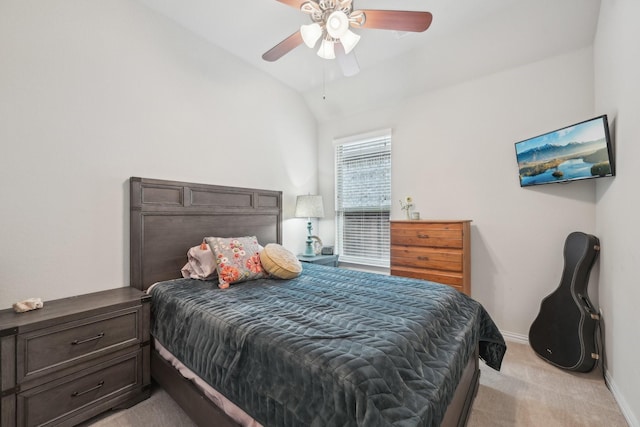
(169, 217)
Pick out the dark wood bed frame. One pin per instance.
(169, 217)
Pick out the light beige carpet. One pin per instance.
(527, 392)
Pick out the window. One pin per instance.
(363, 198)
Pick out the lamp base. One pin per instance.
(308, 251)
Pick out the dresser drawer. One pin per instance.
(453, 279)
(52, 403)
(51, 349)
(442, 235)
(429, 258)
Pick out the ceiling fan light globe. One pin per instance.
(349, 40)
(337, 24)
(327, 50)
(311, 34)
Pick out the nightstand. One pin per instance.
(74, 358)
(331, 260)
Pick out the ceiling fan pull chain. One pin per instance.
(324, 94)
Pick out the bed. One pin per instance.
(330, 347)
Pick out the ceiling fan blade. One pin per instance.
(284, 47)
(399, 20)
(293, 3)
(348, 62)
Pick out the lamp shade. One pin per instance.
(337, 24)
(349, 40)
(309, 207)
(326, 50)
(311, 34)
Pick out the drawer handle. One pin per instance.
(97, 337)
(423, 236)
(80, 393)
(423, 258)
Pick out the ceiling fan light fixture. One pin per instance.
(337, 24)
(331, 23)
(349, 40)
(327, 50)
(311, 33)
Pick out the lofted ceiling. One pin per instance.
(467, 39)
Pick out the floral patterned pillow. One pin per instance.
(237, 259)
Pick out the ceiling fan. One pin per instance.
(331, 22)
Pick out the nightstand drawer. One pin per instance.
(48, 350)
(422, 234)
(56, 401)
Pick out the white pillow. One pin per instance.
(201, 263)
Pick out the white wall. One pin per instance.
(453, 152)
(92, 93)
(617, 92)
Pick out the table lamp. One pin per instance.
(309, 207)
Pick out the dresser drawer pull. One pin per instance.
(423, 258)
(423, 236)
(80, 393)
(97, 337)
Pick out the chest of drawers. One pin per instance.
(74, 358)
(439, 251)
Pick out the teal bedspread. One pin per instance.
(333, 347)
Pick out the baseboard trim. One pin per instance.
(512, 336)
(621, 401)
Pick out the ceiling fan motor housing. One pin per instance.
(331, 21)
(321, 11)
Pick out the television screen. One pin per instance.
(579, 151)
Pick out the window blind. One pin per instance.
(363, 198)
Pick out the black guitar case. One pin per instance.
(564, 331)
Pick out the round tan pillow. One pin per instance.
(279, 262)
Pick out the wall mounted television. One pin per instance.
(580, 151)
